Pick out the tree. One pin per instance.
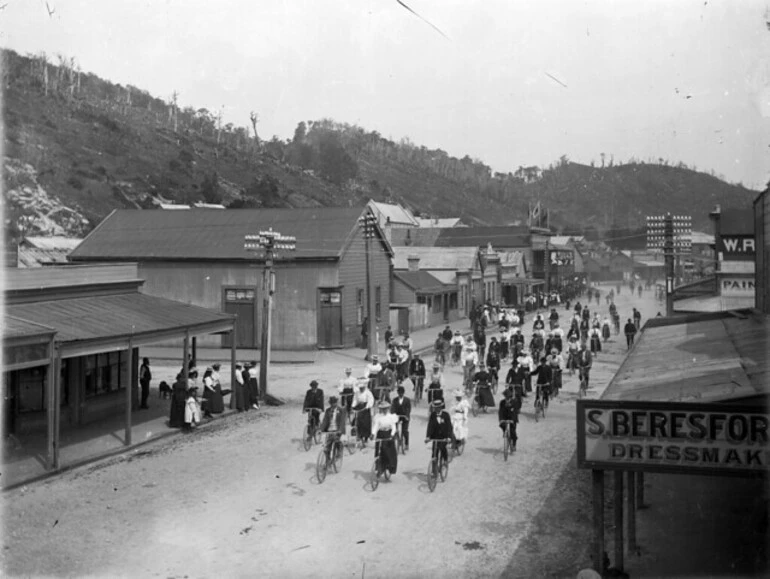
(335, 163)
(254, 120)
(210, 189)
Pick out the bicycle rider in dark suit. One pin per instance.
(314, 399)
(334, 423)
(402, 406)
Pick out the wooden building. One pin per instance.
(197, 256)
(762, 254)
(422, 288)
(70, 345)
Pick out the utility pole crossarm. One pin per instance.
(267, 242)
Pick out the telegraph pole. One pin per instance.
(674, 235)
(367, 222)
(267, 241)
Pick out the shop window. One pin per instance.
(105, 373)
(421, 299)
(453, 301)
(360, 307)
(31, 383)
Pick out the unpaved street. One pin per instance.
(239, 499)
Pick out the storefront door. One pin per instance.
(329, 318)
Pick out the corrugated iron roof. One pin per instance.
(696, 359)
(394, 213)
(18, 328)
(442, 222)
(132, 234)
(415, 236)
(113, 316)
(449, 258)
(499, 236)
(34, 257)
(421, 281)
(53, 242)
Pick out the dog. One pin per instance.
(164, 390)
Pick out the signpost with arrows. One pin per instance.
(673, 234)
(268, 242)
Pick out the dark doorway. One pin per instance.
(330, 318)
(242, 303)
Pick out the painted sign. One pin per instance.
(736, 247)
(673, 437)
(736, 286)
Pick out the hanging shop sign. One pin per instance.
(673, 437)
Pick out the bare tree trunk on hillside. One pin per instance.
(254, 120)
(175, 110)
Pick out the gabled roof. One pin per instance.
(421, 281)
(53, 242)
(206, 234)
(435, 258)
(414, 236)
(394, 214)
(444, 222)
(18, 328)
(499, 236)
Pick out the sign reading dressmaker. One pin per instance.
(673, 437)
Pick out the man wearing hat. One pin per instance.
(144, 381)
(439, 427)
(509, 409)
(363, 401)
(334, 423)
(346, 389)
(401, 407)
(384, 428)
(460, 416)
(314, 401)
(556, 363)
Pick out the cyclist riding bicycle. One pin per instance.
(314, 403)
(436, 384)
(402, 408)
(334, 423)
(460, 417)
(346, 389)
(544, 377)
(417, 372)
(585, 361)
(509, 410)
(483, 382)
(456, 344)
(384, 428)
(440, 428)
(439, 349)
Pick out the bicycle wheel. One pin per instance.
(538, 406)
(400, 444)
(321, 466)
(432, 474)
(505, 445)
(475, 407)
(375, 480)
(307, 438)
(337, 455)
(460, 448)
(443, 469)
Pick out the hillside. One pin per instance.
(78, 146)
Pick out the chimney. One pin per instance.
(414, 262)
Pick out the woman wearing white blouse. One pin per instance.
(384, 428)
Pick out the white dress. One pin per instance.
(460, 419)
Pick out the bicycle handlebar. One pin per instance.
(439, 440)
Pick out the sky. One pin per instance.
(509, 82)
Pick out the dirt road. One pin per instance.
(240, 498)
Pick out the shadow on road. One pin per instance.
(557, 543)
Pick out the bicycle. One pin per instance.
(541, 402)
(418, 382)
(356, 441)
(438, 467)
(329, 458)
(509, 447)
(377, 470)
(311, 432)
(400, 445)
(583, 388)
(477, 404)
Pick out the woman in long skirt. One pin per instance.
(212, 394)
(384, 427)
(178, 400)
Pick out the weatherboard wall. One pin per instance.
(352, 278)
(294, 321)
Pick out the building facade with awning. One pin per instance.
(71, 340)
(691, 398)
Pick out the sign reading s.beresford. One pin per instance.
(673, 437)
